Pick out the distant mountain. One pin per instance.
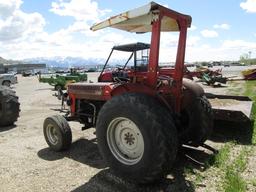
(67, 62)
(5, 61)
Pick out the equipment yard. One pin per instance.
(27, 164)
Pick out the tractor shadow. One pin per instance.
(86, 152)
(241, 132)
(106, 181)
(83, 150)
(7, 128)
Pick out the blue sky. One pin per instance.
(221, 30)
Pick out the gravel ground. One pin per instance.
(27, 164)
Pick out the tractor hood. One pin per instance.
(139, 20)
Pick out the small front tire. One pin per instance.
(57, 133)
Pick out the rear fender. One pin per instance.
(191, 90)
(132, 88)
(139, 88)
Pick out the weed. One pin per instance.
(221, 158)
(188, 170)
(199, 178)
(233, 181)
(254, 127)
(240, 162)
(253, 182)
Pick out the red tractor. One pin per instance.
(140, 119)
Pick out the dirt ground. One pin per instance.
(27, 164)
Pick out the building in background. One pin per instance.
(20, 68)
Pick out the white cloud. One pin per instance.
(85, 10)
(193, 41)
(168, 40)
(8, 7)
(238, 44)
(22, 35)
(15, 24)
(169, 43)
(209, 33)
(227, 50)
(192, 28)
(249, 6)
(222, 26)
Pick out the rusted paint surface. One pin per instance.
(140, 20)
(91, 91)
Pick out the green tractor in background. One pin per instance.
(60, 81)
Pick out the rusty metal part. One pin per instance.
(231, 108)
(140, 19)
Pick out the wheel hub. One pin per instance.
(125, 140)
(52, 134)
(129, 138)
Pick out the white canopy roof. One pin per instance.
(139, 20)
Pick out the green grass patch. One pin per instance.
(222, 157)
(253, 182)
(239, 164)
(250, 89)
(247, 88)
(254, 126)
(233, 181)
(188, 170)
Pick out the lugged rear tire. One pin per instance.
(146, 119)
(197, 122)
(9, 106)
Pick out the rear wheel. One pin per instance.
(134, 138)
(9, 106)
(57, 133)
(196, 122)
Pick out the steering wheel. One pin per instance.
(162, 78)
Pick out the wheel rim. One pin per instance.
(6, 83)
(125, 141)
(52, 134)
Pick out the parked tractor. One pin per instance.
(9, 106)
(61, 81)
(140, 119)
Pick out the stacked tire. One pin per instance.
(9, 106)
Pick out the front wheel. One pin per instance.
(57, 133)
(134, 138)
